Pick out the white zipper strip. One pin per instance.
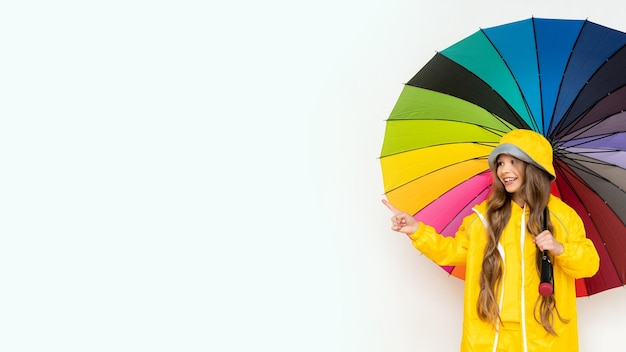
(523, 300)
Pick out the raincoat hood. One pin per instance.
(527, 146)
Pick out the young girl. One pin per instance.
(501, 245)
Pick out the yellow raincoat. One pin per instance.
(519, 330)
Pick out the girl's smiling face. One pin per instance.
(511, 171)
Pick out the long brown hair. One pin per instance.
(536, 192)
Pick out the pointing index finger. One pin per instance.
(391, 207)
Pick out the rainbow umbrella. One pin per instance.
(565, 79)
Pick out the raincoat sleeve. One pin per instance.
(441, 249)
(579, 258)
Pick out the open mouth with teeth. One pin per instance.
(508, 180)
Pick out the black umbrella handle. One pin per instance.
(546, 286)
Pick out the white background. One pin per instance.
(198, 176)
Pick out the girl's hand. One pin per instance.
(546, 242)
(401, 221)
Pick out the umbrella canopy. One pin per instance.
(565, 79)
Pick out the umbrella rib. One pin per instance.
(580, 200)
(593, 161)
(483, 143)
(566, 155)
(543, 117)
(433, 171)
(520, 121)
(473, 200)
(581, 131)
(519, 89)
(456, 121)
(568, 129)
(593, 174)
(573, 174)
(596, 138)
(561, 125)
(575, 164)
(553, 130)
